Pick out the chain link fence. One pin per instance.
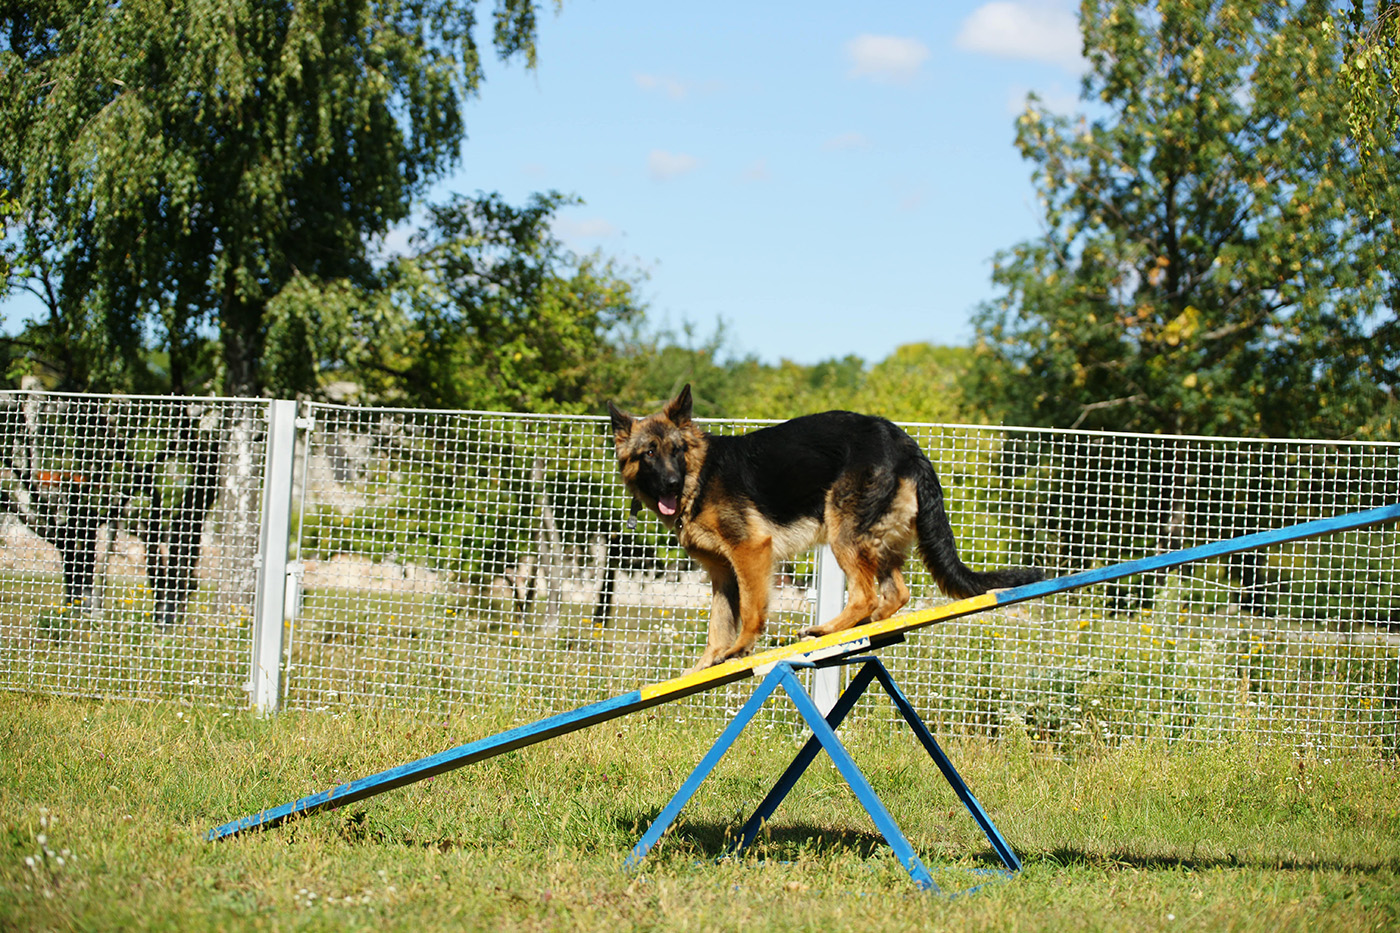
(452, 559)
(456, 559)
(128, 540)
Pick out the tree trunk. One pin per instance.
(551, 547)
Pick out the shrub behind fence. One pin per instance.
(450, 560)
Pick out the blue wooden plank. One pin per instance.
(449, 760)
(1260, 539)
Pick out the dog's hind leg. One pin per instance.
(894, 594)
(864, 590)
(870, 525)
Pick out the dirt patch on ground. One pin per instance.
(348, 572)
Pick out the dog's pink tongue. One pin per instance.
(667, 505)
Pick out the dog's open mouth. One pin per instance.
(666, 505)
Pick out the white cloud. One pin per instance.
(673, 87)
(595, 228)
(1030, 30)
(663, 165)
(912, 198)
(846, 142)
(885, 58)
(757, 171)
(396, 241)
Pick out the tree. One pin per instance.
(9, 210)
(788, 389)
(919, 382)
(1371, 72)
(661, 361)
(490, 311)
(177, 165)
(1205, 267)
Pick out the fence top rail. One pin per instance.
(941, 425)
(123, 397)
(758, 422)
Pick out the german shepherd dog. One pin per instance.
(739, 505)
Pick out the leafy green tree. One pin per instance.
(9, 212)
(1370, 74)
(178, 164)
(1206, 267)
(489, 312)
(789, 389)
(917, 382)
(659, 361)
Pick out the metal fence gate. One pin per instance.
(456, 559)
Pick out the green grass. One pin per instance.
(104, 805)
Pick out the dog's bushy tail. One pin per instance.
(940, 551)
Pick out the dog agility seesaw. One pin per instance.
(777, 667)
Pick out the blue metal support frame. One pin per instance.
(824, 737)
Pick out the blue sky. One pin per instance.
(826, 178)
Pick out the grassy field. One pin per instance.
(104, 805)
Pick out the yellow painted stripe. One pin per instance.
(689, 683)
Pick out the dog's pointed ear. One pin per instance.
(621, 422)
(678, 409)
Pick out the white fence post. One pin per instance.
(264, 685)
(831, 599)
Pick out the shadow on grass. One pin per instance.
(784, 840)
(788, 840)
(693, 838)
(1120, 858)
(713, 838)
